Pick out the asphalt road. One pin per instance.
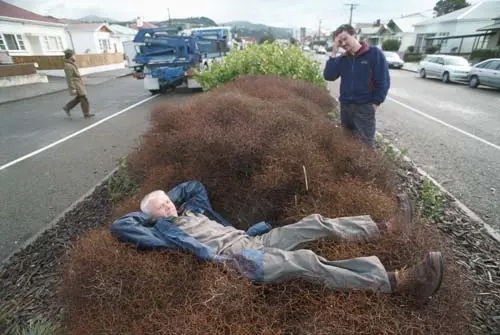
(451, 131)
(39, 188)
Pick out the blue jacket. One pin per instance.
(364, 77)
(139, 229)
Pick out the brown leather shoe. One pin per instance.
(423, 279)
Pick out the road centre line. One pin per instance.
(444, 123)
(64, 139)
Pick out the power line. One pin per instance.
(352, 6)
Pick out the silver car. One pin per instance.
(486, 73)
(448, 68)
(393, 60)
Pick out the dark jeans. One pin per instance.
(359, 118)
(77, 100)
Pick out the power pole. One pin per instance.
(352, 6)
(319, 29)
(169, 20)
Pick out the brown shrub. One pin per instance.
(248, 142)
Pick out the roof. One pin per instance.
(8, 10)
(87, 26)
(371, 30)
(407, 24)
(483, 10)
(494, 26)
(117, 28)
(145, 25)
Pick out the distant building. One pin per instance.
(141, 24)
(302, 35)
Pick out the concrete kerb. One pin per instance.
(60, 216)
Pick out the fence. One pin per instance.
(17, 70)
(82, 61)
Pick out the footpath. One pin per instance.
(56, 84)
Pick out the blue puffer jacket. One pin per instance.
(364, 77)
(138, 228)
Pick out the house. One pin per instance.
(93, 38)
(140, 24)
(403, 29)
(24, 33)
(494, 38)
(457, 32)
(122, 33)
(373, 33)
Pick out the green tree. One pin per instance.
(391, 45)
(447, 6)
(267, 38)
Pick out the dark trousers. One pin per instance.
(360, 119)
(79, 99)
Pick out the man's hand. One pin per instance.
(335, 47)
(375, 107)
(73, 92)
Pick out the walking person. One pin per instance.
(75, 86)
(364, 82)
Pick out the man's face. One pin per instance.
(347, 42)
(162, 206)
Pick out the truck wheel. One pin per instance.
(153, 92)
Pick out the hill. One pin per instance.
(245, 28)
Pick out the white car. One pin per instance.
(448, 68)
(321, 50)
(306, 48)
(393, 60)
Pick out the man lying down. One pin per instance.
(183, 219)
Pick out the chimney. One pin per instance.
(139, 22)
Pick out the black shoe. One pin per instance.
(68, 113)
(88, 116)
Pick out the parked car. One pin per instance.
(448, 68)
(307, 48)
(321, 50)
(393, 60)
(485, 73)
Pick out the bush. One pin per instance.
(482, 54)
(268, 58)
(391, 45)
(432, 49)
(410, 49)
(247, 143)
(408, 57)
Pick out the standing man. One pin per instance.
(75, 85)
(364, 83)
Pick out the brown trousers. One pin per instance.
(79, 99)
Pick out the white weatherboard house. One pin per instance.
(93, 38)
(24, 33)
(403, 29)
(457, 32)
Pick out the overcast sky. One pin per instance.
(283, 13)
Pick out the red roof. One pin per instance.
(6, 9)
(145, 25)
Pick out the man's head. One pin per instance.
(158, 204)
(345, 37)
(69, 55)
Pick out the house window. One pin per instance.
(11, 42)
(105, 45)
(52, 43)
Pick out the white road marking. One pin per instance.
(53, 144)
(444, 123)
